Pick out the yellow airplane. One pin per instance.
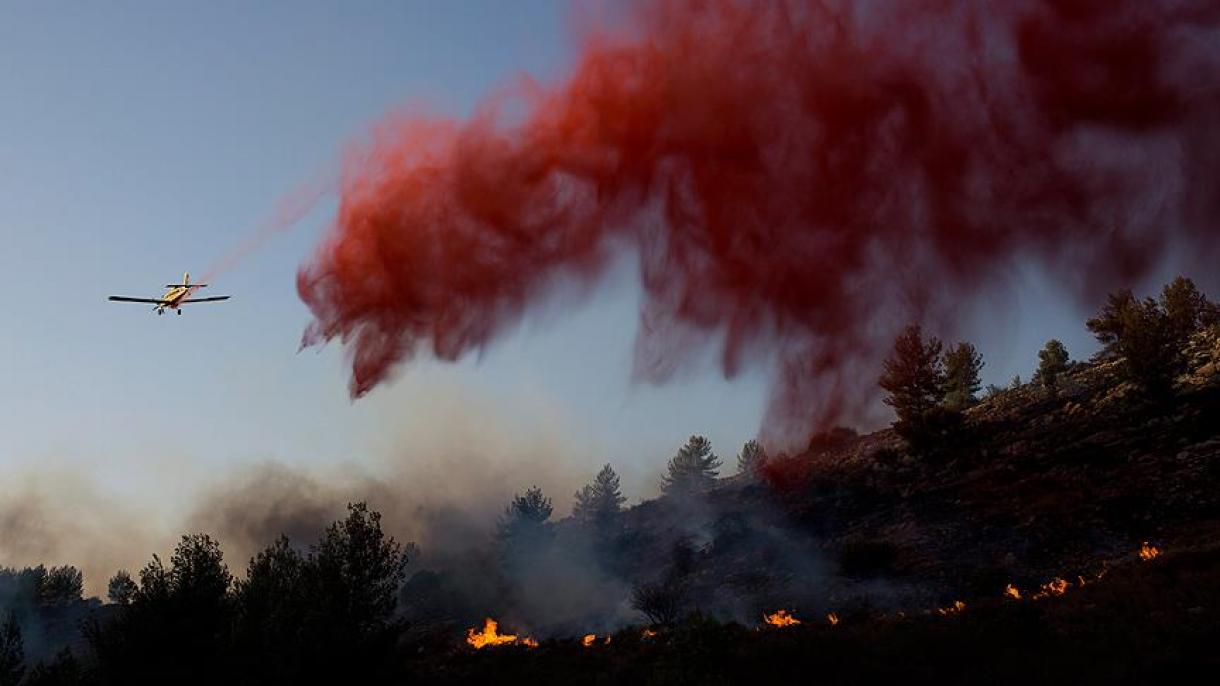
(177, 296)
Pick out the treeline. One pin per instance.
(929, 386)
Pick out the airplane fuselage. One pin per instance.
(172, 300)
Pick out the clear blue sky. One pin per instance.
(138, 140)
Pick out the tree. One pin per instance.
(527, 510)
(359, 570)
(12, 652)
(962, 365)
(1052, 362)
(751, 458)
(1140, 334)
(693, 469)
(662, 602)
(198, 578)
(61, 587)
(914, 379)
(600, 502)
(122, 588)
(1107, 326)
(1187, 310)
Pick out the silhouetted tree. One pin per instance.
(122, 588)
(1052, 362)
(693, 469)
(1187, 310)
(358, 570)
(176, 627)
(1139, 332)
(663, 602)
(12, 652)
(1107, 326)
(912, 375)
(523, 532)
(270, 609)
(751, 458)
(600, 502)
(62, 586)
(914, 379)
(962, 366)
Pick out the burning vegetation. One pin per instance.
(781, 618)
(490, 636)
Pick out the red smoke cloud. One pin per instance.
(798, 180)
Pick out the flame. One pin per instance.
(1149, 551)
(490, 636)
(588, 640)
(781, 618)
(833, 619)
(953, 609)
(647, 633)
(1056, 586)
(1012, 592)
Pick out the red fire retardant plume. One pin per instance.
(798, 180)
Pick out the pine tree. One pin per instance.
(962, 366)
(1186, 310)
(599, 502)
(751, 458)
(694, 468)
(526, 517)
(913, 376)
(1140, 333)
(1052, 362)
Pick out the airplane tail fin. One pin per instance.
(186, 278)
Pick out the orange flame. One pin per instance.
(647, 633)
(490, 636)
(953, 609)
(1012, 592)
(1056, 586)
(588, 640)
(781, 618)
(833, 619)
(1149, 551)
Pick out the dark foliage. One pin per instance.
(599, 503)
(12, 652)
(693, 469)
(751, 459)
(1052, 363)
(962, 366)
(914, 380)
(122, 588)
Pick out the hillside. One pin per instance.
(1072, 527)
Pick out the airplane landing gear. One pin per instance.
(160, 312)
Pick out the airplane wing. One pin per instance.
(125, 299)
(205, 300)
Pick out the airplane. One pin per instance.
(177, 296)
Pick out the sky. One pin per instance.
(140, 140)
